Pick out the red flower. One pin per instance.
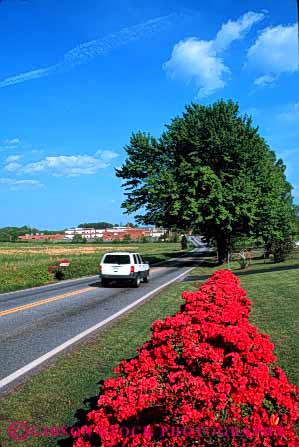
(207, 367)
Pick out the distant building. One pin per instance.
(41, 237)
(157, 232)
(87, 233)
(106, 234)
(115, 233)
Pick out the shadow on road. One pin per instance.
(113, 284)
(156, 260)
(242, 273)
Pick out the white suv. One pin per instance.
(123, 266)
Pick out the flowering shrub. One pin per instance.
(205, 372)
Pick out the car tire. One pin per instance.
(136, 282)
(146, 278)
(104, 282)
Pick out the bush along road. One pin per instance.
(206, 375)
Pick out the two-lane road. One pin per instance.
(37, 324)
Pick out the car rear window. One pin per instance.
(117, 259)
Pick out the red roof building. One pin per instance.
(41, 237)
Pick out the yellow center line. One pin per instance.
(45, 301)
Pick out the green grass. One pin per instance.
(26, 265)
(53, 396)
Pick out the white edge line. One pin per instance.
(25, 369)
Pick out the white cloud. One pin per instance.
(265, 80)
(275, 51)
(12, 167)
(197, 61)
(236, 30)
(85, 52)
(107, 155)
(13, 158)
(200, 61)
(71, 165)
(12, 141)
(290, 114)
(12, 163)
(19, 184)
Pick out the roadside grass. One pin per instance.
(54, 396)
(26, 265)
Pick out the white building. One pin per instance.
(157, 232)
(87, 233)
(92, 233)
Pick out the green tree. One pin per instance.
(96, 225)
(174, 236)
(9, 234)
(98, 240)
(210, 171)
(79, 239)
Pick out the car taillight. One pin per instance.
(132, 269)
(100, 268)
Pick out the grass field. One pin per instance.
(60, 394)
(26, 265)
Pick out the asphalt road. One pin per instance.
(36, 321)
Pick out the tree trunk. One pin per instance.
(222, 248)
(268, 250)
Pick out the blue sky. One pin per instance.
(76, 78)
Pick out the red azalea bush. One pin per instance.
(206, 378)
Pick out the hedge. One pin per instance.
(207, 377)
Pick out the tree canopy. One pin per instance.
(210, 171)
(103, 225)
(97, 225)
(8, 234)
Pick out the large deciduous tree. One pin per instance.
(210, 171)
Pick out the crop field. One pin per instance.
(26, 265)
